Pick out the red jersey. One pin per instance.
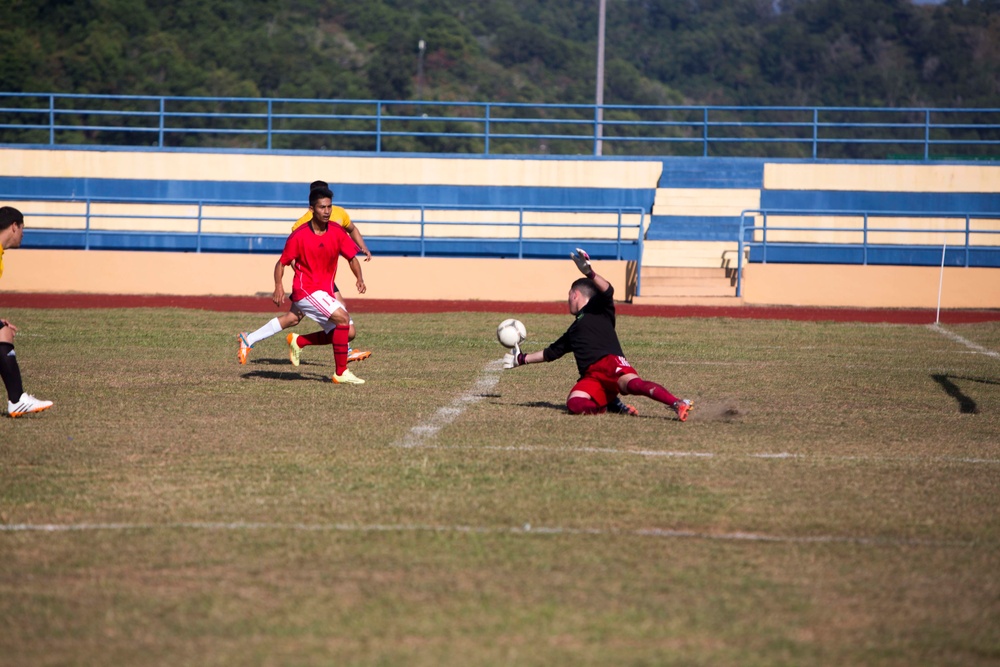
(316, 256)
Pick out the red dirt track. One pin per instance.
(361, 305)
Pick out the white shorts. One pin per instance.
(319, 306)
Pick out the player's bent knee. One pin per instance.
(340, 317)
(623, 382)
(582, 405)
(289, 319)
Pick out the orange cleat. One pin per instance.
(244, 350)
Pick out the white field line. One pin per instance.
(526, 530)
(673, 454)
(487, 380)
(422, 435)
(968, 343)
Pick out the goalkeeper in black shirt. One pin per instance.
(604, 370)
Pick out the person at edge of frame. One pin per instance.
(19, 402)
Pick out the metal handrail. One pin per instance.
(865, 229)
(67, 119)
(87, 216)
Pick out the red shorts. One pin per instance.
(600, 382)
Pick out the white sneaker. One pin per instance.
(347, 378)
(27, 404)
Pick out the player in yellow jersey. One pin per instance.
(18, 402)
(337, 216)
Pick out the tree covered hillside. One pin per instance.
(757, 52)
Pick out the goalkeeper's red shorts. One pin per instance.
(600, 382)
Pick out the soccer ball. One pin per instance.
(511, 333)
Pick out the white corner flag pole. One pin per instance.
(937, 318)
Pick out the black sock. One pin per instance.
(10, 372)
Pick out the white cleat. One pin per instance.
(347, 378)
(26, 405)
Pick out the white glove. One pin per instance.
(510, 359)
(582, 260)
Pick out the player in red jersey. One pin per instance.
(297, 341)
(291, 318)
(604, 370)
(313, 251)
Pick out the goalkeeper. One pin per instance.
(604, 370)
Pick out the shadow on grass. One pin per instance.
(966, 405)
(282, 362)
(561, 407)
(705, 411)
(288, 376)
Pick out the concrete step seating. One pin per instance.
(692, 254)
(688, 273)
(686, 281)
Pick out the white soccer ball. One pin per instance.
(511, 333)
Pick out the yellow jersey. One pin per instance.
(337, 215)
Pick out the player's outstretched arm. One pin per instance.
(356, 270)
(355, 234)
(582, 261)
(516, 358)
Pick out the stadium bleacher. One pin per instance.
(677, 218)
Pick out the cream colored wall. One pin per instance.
(869, 286)
(154, 165)
(205, 274)
(882, 177)
(850, 229)
(208, 274)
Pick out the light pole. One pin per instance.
(421, 47)
(599, 95)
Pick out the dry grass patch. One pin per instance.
(265, 516)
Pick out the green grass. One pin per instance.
(260, 515)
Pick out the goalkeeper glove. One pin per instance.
(513, 358)
(582, 260)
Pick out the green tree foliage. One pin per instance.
(753, 52)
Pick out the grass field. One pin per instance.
(833, 500)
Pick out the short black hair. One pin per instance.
(318, 184)
(585, 286)
(319, 193)
(10, 216)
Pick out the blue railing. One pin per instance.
(970, 252)
(486, 128)
(608, 240)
